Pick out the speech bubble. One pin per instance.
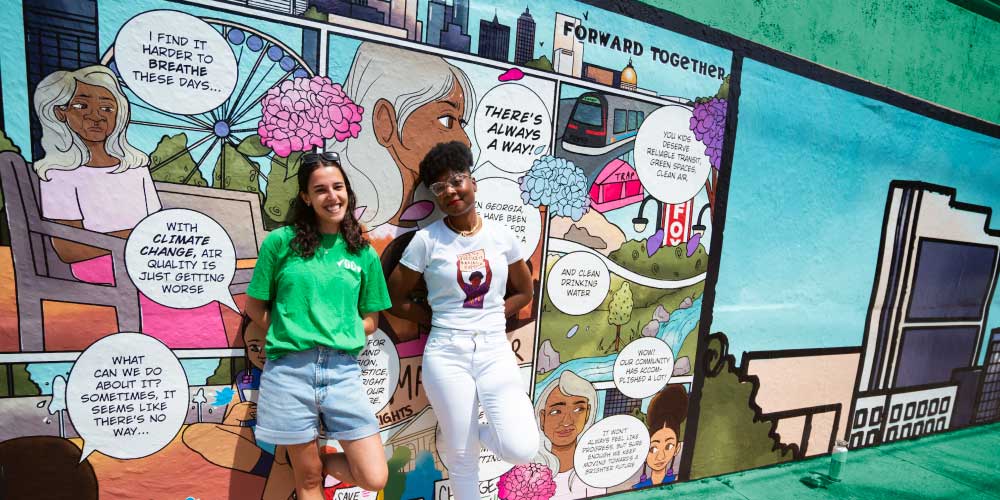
(578, 283)
(182, 259)
(499, 200)
(379, 364)
(643, 367)
(511, 123)
(668, 158)
(611, 451)
(175, 62)
(127, 396)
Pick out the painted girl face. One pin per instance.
(254, 337)
(564, 417)
(91, 113)
(662, 448)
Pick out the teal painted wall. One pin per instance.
(931, 49)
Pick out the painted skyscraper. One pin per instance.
(494, 39)
(58, 36)
(567, 51)
(461, 10)
(524, 43)
(934, 281)
(444, 28)
(403, 14)
(354, 9)
(296, 7)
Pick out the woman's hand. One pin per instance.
(241, 412)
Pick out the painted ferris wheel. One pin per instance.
(214, 141)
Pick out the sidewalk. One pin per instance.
(963, 464)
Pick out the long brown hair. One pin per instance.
(302, 217)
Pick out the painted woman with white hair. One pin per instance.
(92, 178)
(412, 102)
(565, 409)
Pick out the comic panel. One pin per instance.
(900, 343)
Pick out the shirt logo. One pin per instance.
(348, 264)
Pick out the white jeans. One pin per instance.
(462, 370)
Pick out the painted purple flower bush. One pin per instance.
(527, 482)
(302, 113)
(708, 125)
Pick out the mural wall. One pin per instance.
(151, 145)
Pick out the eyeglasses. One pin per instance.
(310, 158)
(455, 181)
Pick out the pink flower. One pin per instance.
(527, 482)
(302, 113)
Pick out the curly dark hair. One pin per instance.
(667, 409)
(302, 217)
(443, 158)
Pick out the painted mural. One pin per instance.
(149, 147)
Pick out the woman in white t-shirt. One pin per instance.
(469, 264)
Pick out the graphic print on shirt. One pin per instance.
(349, 264)
(478, 285)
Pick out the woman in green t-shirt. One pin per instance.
(318, 287)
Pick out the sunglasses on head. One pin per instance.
(310, 158)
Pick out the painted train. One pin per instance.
(600, 121)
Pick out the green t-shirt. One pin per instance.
(317, 301)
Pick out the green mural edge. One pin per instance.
(932, 49)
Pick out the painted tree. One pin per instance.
(558, 184)
(171, 161)
(236, 171)
(620, 311)
(396, 483)
(732, 435)
(282, 187)
(541, 63)
(708, 122)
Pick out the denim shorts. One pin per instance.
(300, 389)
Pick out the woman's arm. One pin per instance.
(401, 284)
(522, 289)
(370, 321)
(71, 252)
(259, 312)
(238, 411)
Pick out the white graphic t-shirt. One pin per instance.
(466, 275)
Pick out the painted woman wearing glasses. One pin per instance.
(317, 288)
(470, 266)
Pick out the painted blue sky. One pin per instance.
(810, 175)
(654, 75)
